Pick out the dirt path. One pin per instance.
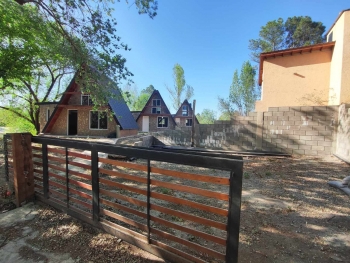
(289, 214)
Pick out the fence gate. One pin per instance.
(181, 206)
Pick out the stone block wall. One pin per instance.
(300, 130)
(294, 130)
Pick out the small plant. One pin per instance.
(246, 175)
(165, 191)
(268, 174)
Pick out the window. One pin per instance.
(47, 114)
(188, 122)
(98, 120)
(156, 102)
(330, 37)
(86, 100)
(184, 110)
(162, 122)
(156, 110)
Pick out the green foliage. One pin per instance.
(134, 100)
(297, 31)
(242, 92)
(149, 90)
(206, 117)
(246, 175)
(179, 87)
(10, 120)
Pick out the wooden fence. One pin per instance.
(179, 206)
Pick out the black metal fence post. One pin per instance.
(95, 186)
(234, 213)
(45, 171)
(5, 138)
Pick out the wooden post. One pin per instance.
(95, 186)
(117, 131)
(193, 123)
(22, 167)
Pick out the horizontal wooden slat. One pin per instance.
(193, 218)
(80, 184)
(55, 167)
(206, 236)
(81, 175)
(38, 178)
(38, 171)
(64, 196)
(57, 185)
(59, 177)
(56, 159)
(9, 156)
(80, 202)
(122, 207)
(188, 244)
(80, 155)
(191, 176)
(176, 251)
(180, 201)
(38, 163)
(131, 200)
(55, 150)
(122, 175)
(37, 156)
(125, 230)
(122, 186)
(134, 166)
(82, 194)
(123, 219)
(192, 190)
(82, 165)
(38, 186)
(37, 148)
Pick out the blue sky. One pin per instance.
(209, 39)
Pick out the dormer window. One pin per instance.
(184, 110)
(86, 99)
(330, 37)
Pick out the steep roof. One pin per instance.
(155, 93)
(291, 52)
(179, 111)
(122, 114)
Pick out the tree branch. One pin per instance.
(15, 112)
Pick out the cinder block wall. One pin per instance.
(294, 130)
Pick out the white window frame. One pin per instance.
(158, 122)
(191, 122)
(89, 100)
(98, 120)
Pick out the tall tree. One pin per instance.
(92, 22)
(180, 87)
(296, 31)
(206, 117)
(271, 38)
(302, 31)
(149, 90)
(242, 92)
(34, 61)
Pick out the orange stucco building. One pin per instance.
(316, 75)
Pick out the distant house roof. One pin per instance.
(291, 52)
(179, 111)
(122, 114)
(154, 93)
(135, 114)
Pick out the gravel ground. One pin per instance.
(308, 221)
